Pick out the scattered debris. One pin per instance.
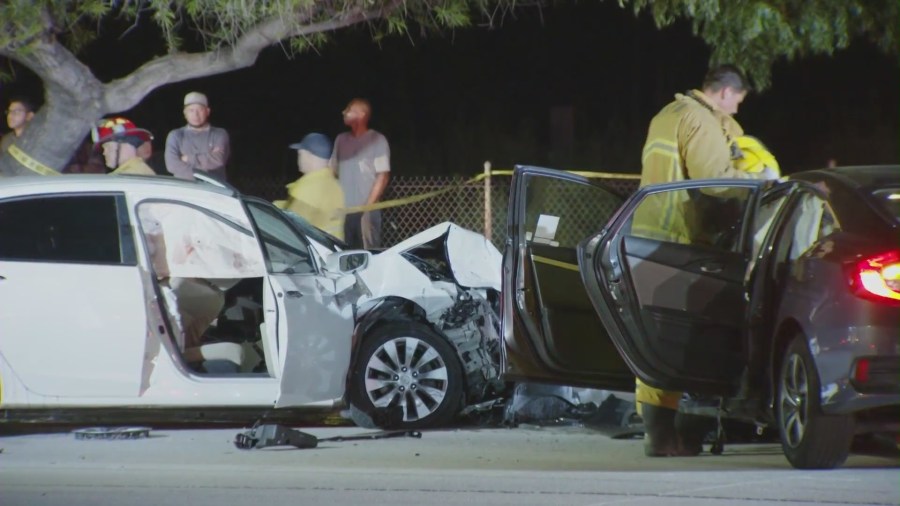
(271, 434)
(112, 433)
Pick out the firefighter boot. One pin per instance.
(659, 431)
(691, 430)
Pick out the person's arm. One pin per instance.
(705, 150)
(217, 156)
(174, 164)
(382, 163)
(381, 182)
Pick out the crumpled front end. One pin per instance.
(453, 276)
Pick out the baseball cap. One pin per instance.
(316, 143)
(195, 97)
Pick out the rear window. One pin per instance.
(890, 200)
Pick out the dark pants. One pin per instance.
(353, 235)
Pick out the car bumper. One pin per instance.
(859, 368)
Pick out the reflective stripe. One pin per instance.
(30, 163)
(555, 263)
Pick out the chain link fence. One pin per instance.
(464, 204)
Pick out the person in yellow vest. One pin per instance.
(693, 137)
(316, 196)
(120, 140)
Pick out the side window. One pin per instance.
(812, 220)
(711, 216)
(561, 213)
(76, 229)
(764, 218)
(287, 251)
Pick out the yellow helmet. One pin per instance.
(755, 157)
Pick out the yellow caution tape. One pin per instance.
(555, 263)
(424, 196)
(30, 163)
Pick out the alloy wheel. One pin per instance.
(794, 400)
(407, 372)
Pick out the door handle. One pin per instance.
(294, 294)
(711, 268)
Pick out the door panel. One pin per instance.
(312, 325)
(674, 298)
(551, 331)
(73, 317)
(314, 340)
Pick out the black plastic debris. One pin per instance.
(265, 435)
(112, 433)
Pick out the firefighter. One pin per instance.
(693, 137)
(121, 141)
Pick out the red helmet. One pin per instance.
(121, 130)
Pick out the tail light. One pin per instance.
(877, 277)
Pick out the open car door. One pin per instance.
(667, 279)
(308, 326)
(551, 332)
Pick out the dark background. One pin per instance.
(570, 87)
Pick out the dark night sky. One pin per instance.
(448, 102)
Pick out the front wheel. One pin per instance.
(407, 369)
(810, 439)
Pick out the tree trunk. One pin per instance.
(54, 134)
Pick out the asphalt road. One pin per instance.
(523, 466)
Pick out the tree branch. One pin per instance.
(124, 93)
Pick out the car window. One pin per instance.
(77, 228)
(710, 217)
(561, 214)
(764, 218)
(889, 198)
(811, 221)
(287, 251)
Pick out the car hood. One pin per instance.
(473, 261)
(433, 268)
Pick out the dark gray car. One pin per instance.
(776, 303)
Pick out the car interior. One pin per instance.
(210, 284)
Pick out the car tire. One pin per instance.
(394, 388)
(810, 439)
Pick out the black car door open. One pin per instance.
(551, 331)
(667, 279)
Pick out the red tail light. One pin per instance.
(877, 277)
(861, 371)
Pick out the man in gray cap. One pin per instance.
(197, 146)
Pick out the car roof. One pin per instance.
(860, 177)
(102, 182)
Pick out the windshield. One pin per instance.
(889, 198)
(320, 236)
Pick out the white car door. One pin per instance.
(73, 318)
(309, 325)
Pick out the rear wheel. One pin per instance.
(406, 376)
(809, 438)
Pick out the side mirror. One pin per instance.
(347, 262)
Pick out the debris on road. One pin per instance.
(265, 435)
(112, 433)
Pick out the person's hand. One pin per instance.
(184, 158)
(367, 230)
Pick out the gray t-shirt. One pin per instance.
(207, 150)
(358, 160)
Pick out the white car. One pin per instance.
(150, 292)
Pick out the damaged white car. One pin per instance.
(137, 293)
